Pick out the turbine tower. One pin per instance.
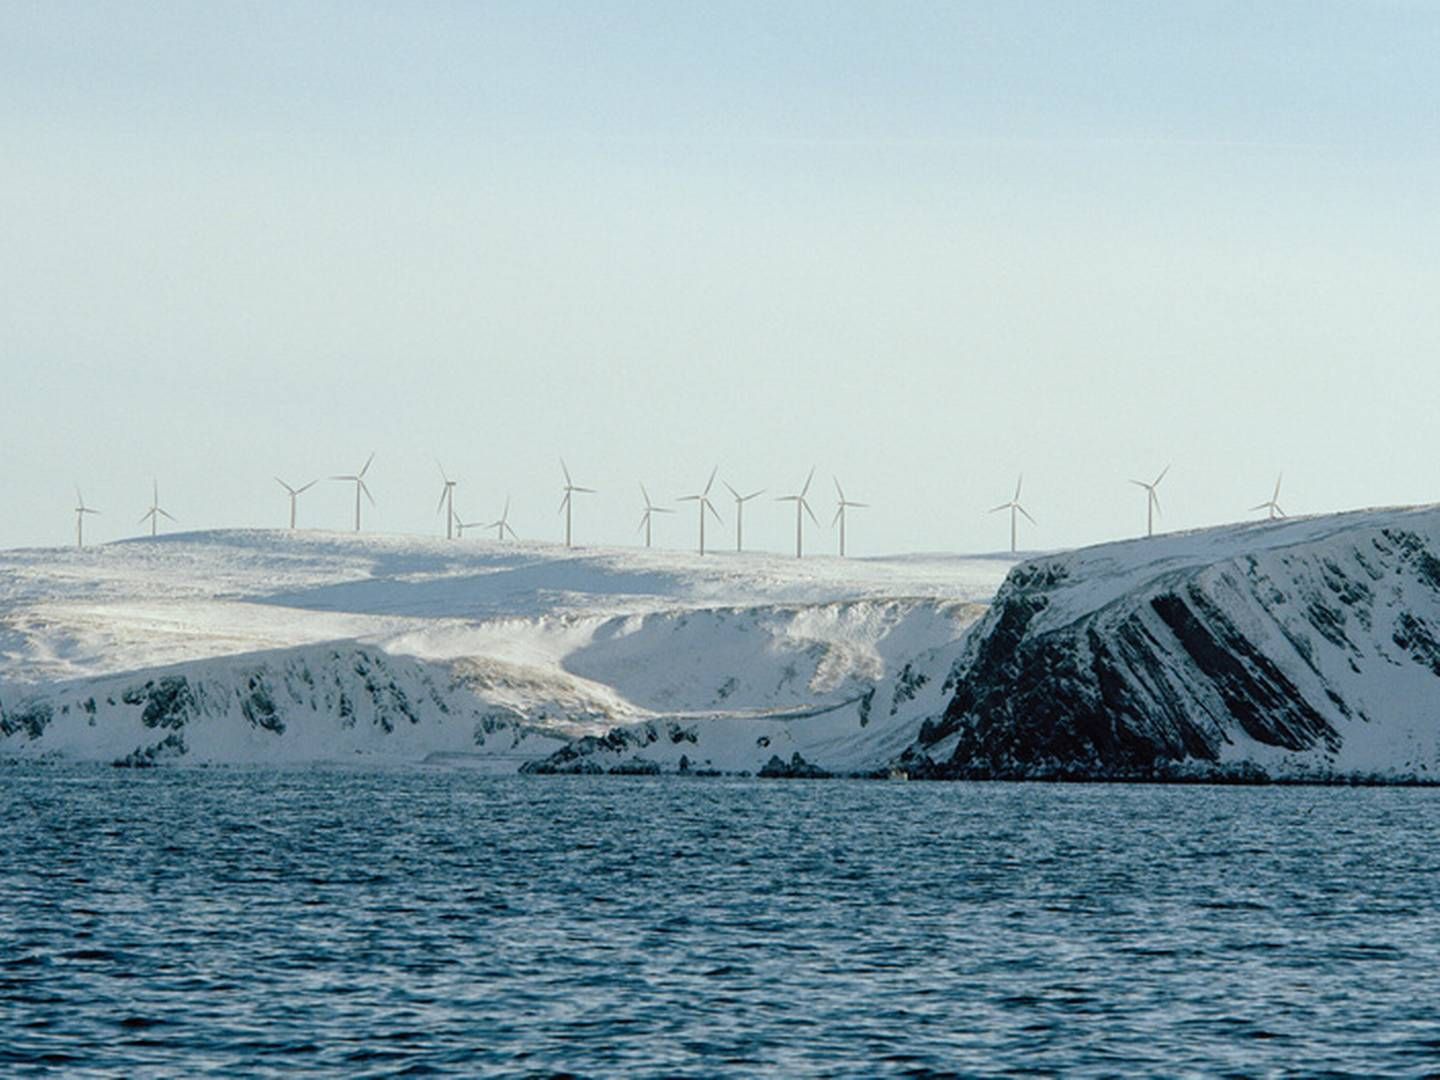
(570, 489)
(447, 501)
(80, 511)
(702, 500)
(650, 508)
(845, 504)
(1152, 500)
(154, 514)
(294, 494)
(740, 501)
(801, 507)
(502, 524)
(1015, 509)
(1273, 506)
(359, 481)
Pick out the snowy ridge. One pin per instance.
(1300, 649)
(268, 646)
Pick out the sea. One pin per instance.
(439, 922)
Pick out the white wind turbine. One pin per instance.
(702, 500)
(501, 525)
(1152, 500)
(1273, 506)
(80, 511)
(650, 508)
(1015, 509)
(294, 494)
(359, 481)
(154, 514)
(447, 502)
(845, 504)
(740, 501)
(571, 489)
(801, 507)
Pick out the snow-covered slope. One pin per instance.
(244, 646)
(1307, 648)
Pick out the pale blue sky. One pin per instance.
(923, 246)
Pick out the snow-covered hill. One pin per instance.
(271, 646)
(1303, 649)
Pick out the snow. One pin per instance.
(543, 642)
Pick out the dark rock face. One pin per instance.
(797, 768)
(1160, 680)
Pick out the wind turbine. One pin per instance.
(801, 507)
(845, 504)
(570, 490)
(1273, 506)
(294, 494)
(1015, 508)
(1152, 500)
(502, 524)
(650, 508)
(154, 514)
(80, 511)
(447, 500)
(359, 479)
(702, 500)
(740, 501)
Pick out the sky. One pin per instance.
(921, 247)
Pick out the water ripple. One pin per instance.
(424, 922)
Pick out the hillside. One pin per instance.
(1300, 649)
(272, 646)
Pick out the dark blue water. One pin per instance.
(238, 922)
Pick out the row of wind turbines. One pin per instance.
(455, 527)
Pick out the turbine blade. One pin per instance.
(367, 491)
(1277, 487)
(1277, 510)
(441, 504)
(996, 510)
(566, 470)
(1141, 483)
(862, 506)
(1161, 476)
(661, 510)
(307, 487)
(787, 498)
(839, 513)
(587, 491)
(145, 517)
(710, 483)
(753, 494)
(344, 478)
(645, 494)
(368, 460)
(688, 498)
(730, 489)
(511, 531)
(165, 514)
(838, 489)
(563, 500)
(713, 511)
(806, 489)
(1027, 514)
(1262, 506)
(806, 505)
(1155, 498)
